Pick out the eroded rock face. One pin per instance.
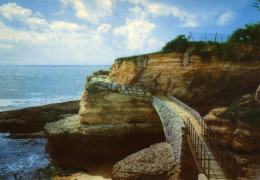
(242, 136)
(195, 83)
(154, 163)
(113, 108)
(223, 127)
(77, 145)
(246, 138)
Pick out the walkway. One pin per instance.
(215, 170)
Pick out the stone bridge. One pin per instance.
(174, 115)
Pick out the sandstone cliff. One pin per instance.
(203, 85)
(109, 127)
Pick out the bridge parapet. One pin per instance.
(195, 113)
(172, 126)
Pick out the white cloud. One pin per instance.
(66, 26)
(11, 10)
(91, 11)
(138, 12)
(104, 28)
(161, 9)
(57, 42)
(136, 32)
(225, 18)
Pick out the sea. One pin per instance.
(27, 86)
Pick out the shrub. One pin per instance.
(92, 89)
(179, 44)
(250, 35)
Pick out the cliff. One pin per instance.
(202, 85)
(109, 127)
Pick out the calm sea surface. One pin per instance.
(26, 86)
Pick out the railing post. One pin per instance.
(204, 161)
(222, 157)
(234, 169)
(209, 167)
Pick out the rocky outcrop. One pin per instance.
(243, 137)
(223, 127)
(238, 127)
(76, 145)
(110, 126)
(113, 108)
(33, 119)
(193, 84)
(246, 138)
(154, 163)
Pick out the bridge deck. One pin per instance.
(216, 171)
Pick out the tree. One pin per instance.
(250, 35)
(180, 44)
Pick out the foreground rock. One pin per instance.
(239, 128)
(238, 125)
(154, 163)
(33, 119)
(77, 145)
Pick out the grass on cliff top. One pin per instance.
(245, 109)
(136, 56)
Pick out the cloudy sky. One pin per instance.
(92, 32)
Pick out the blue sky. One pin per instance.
(93, 32)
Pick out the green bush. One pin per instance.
(92, 89)
(179, 44)
(250, 35)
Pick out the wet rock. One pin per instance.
(33, 119)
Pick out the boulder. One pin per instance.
(223, 127)
(154, 163)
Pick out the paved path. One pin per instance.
(216, 171)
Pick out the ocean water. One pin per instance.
(26, 86)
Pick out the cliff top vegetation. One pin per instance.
(236, 48)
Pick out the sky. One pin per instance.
(96, 32)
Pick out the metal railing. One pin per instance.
(208, 37)
(223, 155)
(200, 150)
